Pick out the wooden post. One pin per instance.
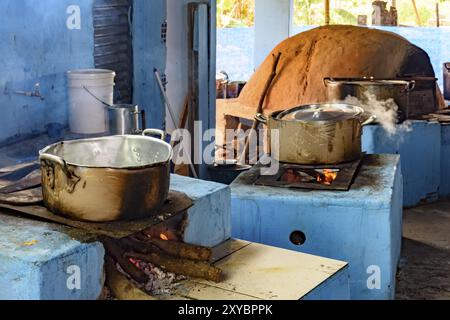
(438, 22)
(327, 12)
(419, 23)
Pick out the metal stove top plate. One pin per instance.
(343, 182)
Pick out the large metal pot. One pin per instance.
(316, 134)
(107, 179)
(382, 89)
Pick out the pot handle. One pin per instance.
(52, 158)
(410, 86)
(261, 118)
(371, 120)
(327, 81)
(72, 178)
(154, 132)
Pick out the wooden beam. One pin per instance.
(327, 12)
(438, 21)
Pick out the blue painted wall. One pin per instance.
(36, 46)
(420, 150)
(149, 53)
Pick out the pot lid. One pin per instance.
(322, 112)
(130, 107)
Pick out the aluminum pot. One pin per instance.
(382, 89)
(316, 134)
(107, 179)
(124, 119)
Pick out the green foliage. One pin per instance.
(308, 12)
(240, 13)
(235, 13)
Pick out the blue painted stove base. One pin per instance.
(362, 226)
(444, 188)
(420, 150)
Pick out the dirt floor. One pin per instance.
(424, 271)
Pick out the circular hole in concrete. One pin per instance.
(298, 238)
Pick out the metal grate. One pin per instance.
(113, 44)
(346, 173)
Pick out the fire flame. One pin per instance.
(134, 262)
(327, 177)
(164, 237)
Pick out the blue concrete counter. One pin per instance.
(419, 145)
(362, 226)
(444, 188)
(42, 261)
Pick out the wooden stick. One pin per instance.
(276, 60)
(115, 251)
(175, 249)
(130, 245)
(121, 287)
(183, 169)
(438, 19)
(327, 12)
(416, 11)
(189, 268)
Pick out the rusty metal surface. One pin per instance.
(345, 178)
(31, 180)
(20, 184)
(23, 197)
(176, 204)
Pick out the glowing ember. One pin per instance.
(164, 237)
(135, 262)
(327, 176)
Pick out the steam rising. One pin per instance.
(386, 112)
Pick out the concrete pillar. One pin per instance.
(177, 56)
(273, 21)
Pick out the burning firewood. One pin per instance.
(189, 268)
(118, 254)
(121, 287)
(144, 244)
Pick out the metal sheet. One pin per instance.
(113, 47)
(343, 182)
(177, 203)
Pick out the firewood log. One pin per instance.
(121, 287)
(189, 268)
(173, 248)
(115, 251)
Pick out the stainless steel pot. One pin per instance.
(124, 119)
(316, 134)
(107, 179)
(382, 89)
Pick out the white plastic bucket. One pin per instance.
(87, 115)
